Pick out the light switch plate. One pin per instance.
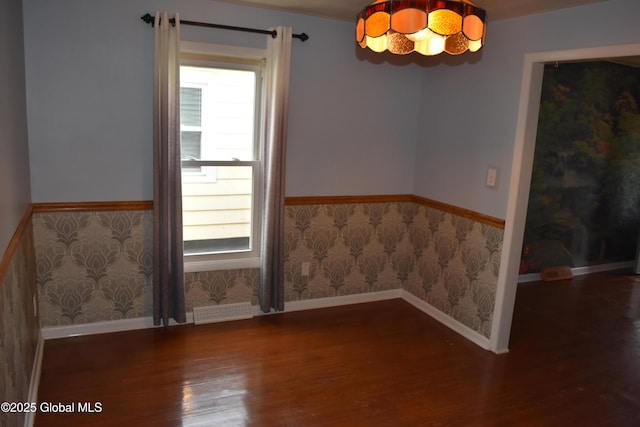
(492, 177)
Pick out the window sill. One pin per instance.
(194, 266)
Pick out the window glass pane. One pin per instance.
(235, 108)
(219, 106)
(190, 106)
(217, 216)
(225, 101)
(190, 145)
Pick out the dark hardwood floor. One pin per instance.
(574, 360)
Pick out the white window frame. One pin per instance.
(205, 54)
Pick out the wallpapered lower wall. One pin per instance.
(449, 261)
(19, 329)
(96, 266)
(93, 266)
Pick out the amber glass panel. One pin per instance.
(360, 30)
(376, 7)
(445, 22)
(453, 5)
(399, 44)
(398, 5)
(456, 44)
(473, 27)
(377, 24)
(408, 21)
(474, 9)
(439, 4)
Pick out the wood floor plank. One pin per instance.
(574, 360)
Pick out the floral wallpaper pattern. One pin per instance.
(221, 287)
(19, 328)
(93, 266)
(449, 261)
(96, 266)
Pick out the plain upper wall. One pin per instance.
(352, 123)
(14, 155)
(470, 110)
(359, 123)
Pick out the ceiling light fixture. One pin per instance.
(428, 27)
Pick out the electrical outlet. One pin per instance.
(305, 268)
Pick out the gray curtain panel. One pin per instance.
(271, 292)
(168, 268)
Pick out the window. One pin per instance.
(220, 107)
(190, 122)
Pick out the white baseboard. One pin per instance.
(315, 303)
(579, 271)
(35, 381)
(421, 305)
(109, 326)
(105, 327)
(291, 306)
(449, 322)
(529, 277)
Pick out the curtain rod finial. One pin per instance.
(147, 18)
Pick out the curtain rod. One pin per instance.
(150, 19)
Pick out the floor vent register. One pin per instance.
(222, 313)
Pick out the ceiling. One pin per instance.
(348, 9)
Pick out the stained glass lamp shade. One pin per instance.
(428, 27)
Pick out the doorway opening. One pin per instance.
(520, 180)
(583, 210)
